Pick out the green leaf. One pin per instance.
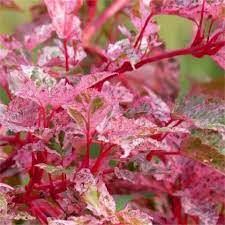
(76, 115)
(211, 138)
(96, 104)
(197, 149)
(55, 169)
(4, 96)
(148, 195)
(61, 137)
(94, 151)
(113, 163)
(54, 145)
(132, 166)
(25, 181)
(122, 200)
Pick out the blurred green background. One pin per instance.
(176, 32)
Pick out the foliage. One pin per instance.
(94, 130)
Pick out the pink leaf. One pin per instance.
(40, 34)
(62, 13)
(20, 115)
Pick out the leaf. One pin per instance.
(50, 168)
(23, 216)
(95, 194)
(81, 220)
(20, 115)
(151, 107)
(202, 151)
(134, 217)
(53, 56)
(219, 55)
(211, 138)
(63, 17)
(130, 134)
(33, 83)
(76, 115)
(94, 151)
(53, 144)
(91, 80)
(39, 35)
(96, 104)
(205, 112)
(3, 205)
(187, 8)
(90, 108)
(122, 200)
(4, 96)
(117, 93)
(165, 85)
(213, 87)
(204, 210)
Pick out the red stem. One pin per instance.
(98, 162)
(198, 38)
(184, 51)
(66, 55)
(177, 209)
(86, 160)
(210, 28)
(96, 50)
(92, 6)
(142, 30)
(176, 124)
(116, 6)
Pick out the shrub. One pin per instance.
(95, 131)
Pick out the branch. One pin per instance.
(116, 6)
(201, 50)
(143, 30)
